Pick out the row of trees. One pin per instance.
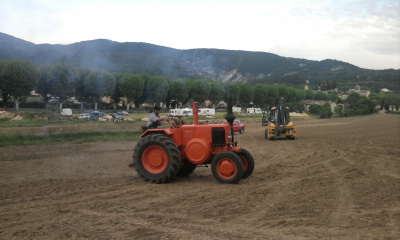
(19, 77)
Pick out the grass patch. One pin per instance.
(75, 137)
(393, 112)
(5, 119)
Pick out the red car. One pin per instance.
(238, 126)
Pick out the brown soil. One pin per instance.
(340, 179)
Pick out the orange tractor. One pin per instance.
(164, 153)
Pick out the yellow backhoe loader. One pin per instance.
(278, 123)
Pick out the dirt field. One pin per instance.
(340, 179)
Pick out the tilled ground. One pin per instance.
(340, 179)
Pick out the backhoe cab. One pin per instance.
(164, 153)
(278, 123)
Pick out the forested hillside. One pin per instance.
(213, 64)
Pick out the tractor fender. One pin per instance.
(165, 131)
(226, 148)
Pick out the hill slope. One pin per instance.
(214, 64)
(226, 65)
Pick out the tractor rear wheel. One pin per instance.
(248, 162)
(156, 158)
(227, 167)
(186, 168)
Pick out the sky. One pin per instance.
(365, 33)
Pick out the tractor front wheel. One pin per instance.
(248, 162)
(267, 135)
(156, 159)
(227, 167)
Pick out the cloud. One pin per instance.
(309, 29)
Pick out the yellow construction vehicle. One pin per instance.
(278, 123)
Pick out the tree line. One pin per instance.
(19, 77)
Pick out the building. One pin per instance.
(358, 90)
(307, 104)
(385, 90)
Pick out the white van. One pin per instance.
(180, 112)
(206, 112)
(236, 109)
(66, 112)
(254, 111)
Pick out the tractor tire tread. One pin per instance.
(172, 152)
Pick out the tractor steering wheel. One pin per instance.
(166, 120)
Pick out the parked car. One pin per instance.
(238, 126)
(95, 116)
(115, 117)
(84, 116)
(123, 113)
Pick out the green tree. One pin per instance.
(58, 80)
(314, 109)
(80, 92)
(325, 111)
(45, 86)
(309, 95)
(99, 84)
(260, 95)
(146, 78)
(300, 95)
(168, 98)
(246, 93)
(4, 93)
(332, 96)
(132, 86)
(359, 105)
(157, 89)
(393, 100)
(117, 95)
(200, 90)
(296, 107)
(339, 109)
(291, 95)
(179, 91)
(65, 80)
(232, 92)
(19, 78)
(378, 99)
(272, 96)
(353, 98)
(320, 96)
(217, 92)
(283, 92)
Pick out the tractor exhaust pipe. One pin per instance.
(195, 108)
(230, 117)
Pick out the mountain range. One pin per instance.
(214, 64)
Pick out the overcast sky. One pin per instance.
(365, 33)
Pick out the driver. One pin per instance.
(154, 118)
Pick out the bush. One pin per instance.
(359, 105)
(325, 111)
(314, 108)
(44, 115)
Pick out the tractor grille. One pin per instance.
(218, 136)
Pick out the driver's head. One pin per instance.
(156, 109)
